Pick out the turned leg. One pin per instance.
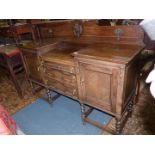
(32, 87)
(49, 95)
(82, 107)
(14, 79)
(118, 126)
(17, 86)
(130, 107)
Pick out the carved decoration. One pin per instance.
(77, 30)
(118, 33)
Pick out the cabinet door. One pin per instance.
(98, 86)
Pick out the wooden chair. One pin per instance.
(11, 63)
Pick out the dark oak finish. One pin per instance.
(96, 65)
(31, 53)
(59, 69)
(107, 76)
(91, 32)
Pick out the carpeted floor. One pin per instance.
(9, 97)
(141, 122)
(60, 118)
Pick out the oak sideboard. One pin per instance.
(97, 69)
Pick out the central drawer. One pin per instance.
(61, 78)
(59, 66)
(61, 87)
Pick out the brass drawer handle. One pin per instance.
(74, 91)
(38, 68)
(72, 69)
(81, 81)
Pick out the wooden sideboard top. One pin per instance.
(62, 53)
(118, 53)
(36, 45)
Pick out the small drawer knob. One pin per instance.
(74, 91)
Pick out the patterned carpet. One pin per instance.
(141, 122)
(9, 97)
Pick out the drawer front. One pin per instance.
(61, 76)
(62, 88)
(65, 68)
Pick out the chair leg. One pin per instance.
(15, 81)
(14, 77)
(32, 87)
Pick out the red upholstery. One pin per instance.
(9, 50)
(7, 124)
(11, 64)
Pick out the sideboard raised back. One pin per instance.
(89, 31)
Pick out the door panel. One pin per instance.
(96, 87)
(93, 81)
